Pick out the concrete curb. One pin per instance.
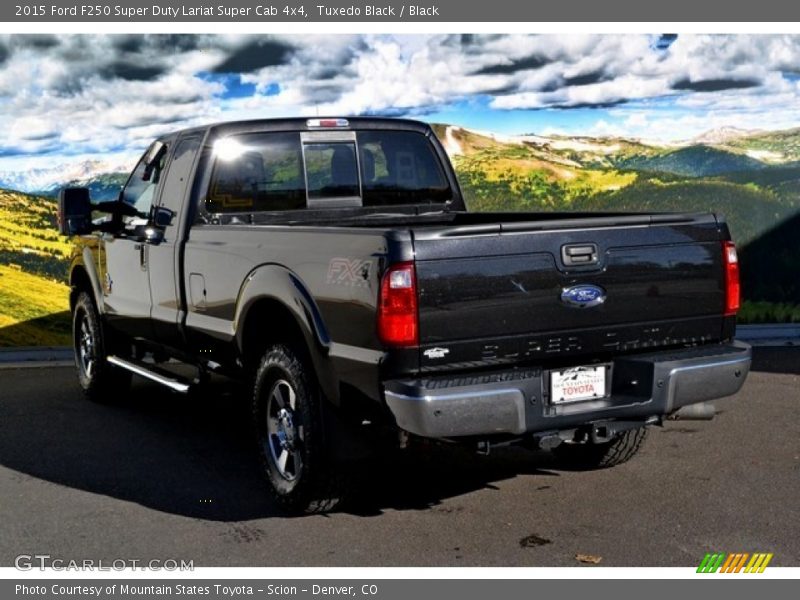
(772, 335)
(36, 356)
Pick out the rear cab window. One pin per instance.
(400, 167)
(289, 171)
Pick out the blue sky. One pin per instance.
(70, 98)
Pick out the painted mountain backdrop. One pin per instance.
(751, 177)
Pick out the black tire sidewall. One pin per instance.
(280, 362)
(85, 311)
(107, 383)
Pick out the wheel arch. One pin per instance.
(274, 306)
(83, 277)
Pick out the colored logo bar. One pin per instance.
(738, 562)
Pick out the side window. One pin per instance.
(257, 172)
(140, 190)
(180, 168)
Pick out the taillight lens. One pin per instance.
(397, 306)
(730, 260)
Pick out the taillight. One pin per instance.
(730, 261)
(397, 306)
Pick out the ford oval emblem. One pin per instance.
(583, 296)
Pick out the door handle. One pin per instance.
(579, 254)
(142, 248)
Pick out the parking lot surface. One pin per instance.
(160, 476)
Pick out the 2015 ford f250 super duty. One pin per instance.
(330, 265)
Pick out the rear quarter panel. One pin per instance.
(328, 277)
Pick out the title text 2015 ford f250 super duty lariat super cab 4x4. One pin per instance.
(330, 265)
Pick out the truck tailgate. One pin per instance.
(492, 292)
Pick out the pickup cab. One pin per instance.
(330, 267)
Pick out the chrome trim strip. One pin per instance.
(173, 384)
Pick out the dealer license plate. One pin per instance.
(577, 383)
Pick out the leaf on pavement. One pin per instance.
(588, 558)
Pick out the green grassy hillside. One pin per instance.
(519, 176)
(778, 145)
(33, 295)
(694, 161)
(33, 310)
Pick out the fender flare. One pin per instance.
(85, 261)
(278, 284)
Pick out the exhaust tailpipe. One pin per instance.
(702, 411)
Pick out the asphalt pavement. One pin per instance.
(161, 476)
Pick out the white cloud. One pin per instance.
(113, 93)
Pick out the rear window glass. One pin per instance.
(332, 170)
(277, 171)
(254, 173)
(400, 167)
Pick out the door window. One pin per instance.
(140, 190)
(180, 168)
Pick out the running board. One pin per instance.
(150, 373)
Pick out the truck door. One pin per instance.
(164, 258)
(124, 261)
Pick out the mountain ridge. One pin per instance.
(48, 180)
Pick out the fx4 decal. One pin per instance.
(352, 272)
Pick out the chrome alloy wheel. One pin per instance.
(85, 348)
(284, 436)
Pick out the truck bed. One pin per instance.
(490, 284)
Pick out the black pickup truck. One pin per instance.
(330, 266)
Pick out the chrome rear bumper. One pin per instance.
(516, 402)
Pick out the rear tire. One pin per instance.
(302, 476)
(588, 456)
(100, 381)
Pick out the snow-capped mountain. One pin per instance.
(721, 135)
(45, 180)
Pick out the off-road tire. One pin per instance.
(317, 484)
(100, 381)
(588, 456)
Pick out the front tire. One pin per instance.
(588, 456)
(100, 381)
(290, 437)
